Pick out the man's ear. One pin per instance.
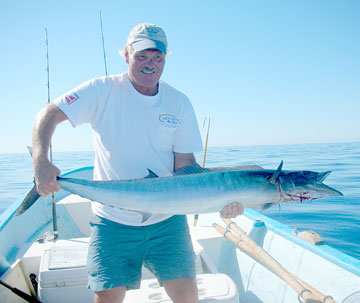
(127, 57)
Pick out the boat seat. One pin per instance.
(211, 288)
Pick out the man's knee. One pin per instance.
(113, 295)
(182, 290)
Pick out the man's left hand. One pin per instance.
(232, 210)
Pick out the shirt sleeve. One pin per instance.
(80, 104)
(187, 135)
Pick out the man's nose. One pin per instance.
(150, 62)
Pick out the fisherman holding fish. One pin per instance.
(139, 123)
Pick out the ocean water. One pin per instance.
(337, 220)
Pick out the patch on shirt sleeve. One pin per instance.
(70, 99)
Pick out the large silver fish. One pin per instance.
(193, 190)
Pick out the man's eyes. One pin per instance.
(157, 58)
(141, 57)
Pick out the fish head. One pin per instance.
(305, 185)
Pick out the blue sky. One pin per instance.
(266, 72)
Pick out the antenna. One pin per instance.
(51, 160)
(103, 44)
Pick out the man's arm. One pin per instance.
(229, 211)
(183, 160)
(45, 172)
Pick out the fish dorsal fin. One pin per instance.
(188, 170)
(196, 169)
(276, 174)
(151, 175)
(232, 168)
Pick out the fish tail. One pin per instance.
(29, 200)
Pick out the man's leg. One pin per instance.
(114, 259)
(182, 290)
(113, 295)
(170, 256)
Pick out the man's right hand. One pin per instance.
(45, 177)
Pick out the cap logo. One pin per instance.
(153, 31)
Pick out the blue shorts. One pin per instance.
(117, 252)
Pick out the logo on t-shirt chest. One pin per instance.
(168, 120)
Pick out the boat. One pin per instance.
(250, 259)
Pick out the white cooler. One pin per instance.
(63, 275)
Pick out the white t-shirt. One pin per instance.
(132, 133)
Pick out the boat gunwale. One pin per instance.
(325, 251)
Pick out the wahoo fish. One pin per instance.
(194, 190)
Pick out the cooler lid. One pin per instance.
(63, 266)
(67, 257)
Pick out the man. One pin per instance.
(139, 123)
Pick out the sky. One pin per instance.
(265, 72)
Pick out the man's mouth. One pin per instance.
(148, 71)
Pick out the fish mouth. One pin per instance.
(312, 193)
(305, 196)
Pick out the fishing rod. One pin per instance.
(206, 140)
(15, 290)
(196, 216)
(55, 228)
(103, 43)
(20, 293)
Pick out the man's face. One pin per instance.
(145, 69)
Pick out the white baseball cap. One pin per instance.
(145, 36)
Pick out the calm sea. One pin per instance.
(337, 220)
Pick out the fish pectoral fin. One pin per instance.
(151, 175)
(276, 174)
